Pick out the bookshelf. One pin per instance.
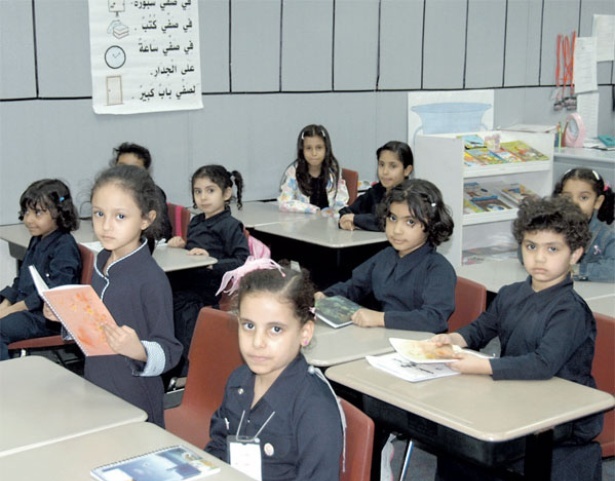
(439, 159)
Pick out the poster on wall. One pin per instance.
(145, 56)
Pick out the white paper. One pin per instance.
(585, 70)
(587, 108)
(395, 364)
(604, 30)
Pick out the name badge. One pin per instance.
(245, 455)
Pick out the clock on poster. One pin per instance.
(115, 57)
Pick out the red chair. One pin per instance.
(180, 218)
(214, 355)
(352, 184)
(603, 372)
(359, 444)
(470, 302)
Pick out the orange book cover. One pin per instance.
(81, 312)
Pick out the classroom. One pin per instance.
(271, 67)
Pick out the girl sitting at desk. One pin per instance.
(413, 284)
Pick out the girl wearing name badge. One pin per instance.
(413, 285)
(395, 164)
(313, 182)
(48, 212)
(280, 419)
(595, 197)
(135, 290)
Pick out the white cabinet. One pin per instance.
(439, 159)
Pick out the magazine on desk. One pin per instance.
(397, 365)
(336, 311)
(81, 312)
(175, 463)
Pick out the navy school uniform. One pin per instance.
(137, 293)
(304, 438)
(365, 208)
(416, 292)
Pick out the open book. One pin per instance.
(397, 365)
(81, 312)
(173, 463)
(425, 352)
(336, 310)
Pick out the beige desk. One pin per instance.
(603, 305)
(42, 403)
(255, 214)
(73, 459)
(335, 346)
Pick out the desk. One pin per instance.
(256, 214)
(42, 403)
(489, 421)
(73, 459)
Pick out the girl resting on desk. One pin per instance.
(48, 212)
(395, 164)
(545, 328)
(313, 182)
(282, 410)
(593, 195)
(413, 285)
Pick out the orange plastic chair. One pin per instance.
(214, 355)
(180, 218)
(470, 302)
(602, 370)
(359, 444)
(352, 184)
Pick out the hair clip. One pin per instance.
(596, 175)
(61, 199)
(433, 204)
(252, 264)
(606, 187)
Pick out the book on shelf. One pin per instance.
(492, 205)
(472, 141)
(507, 156)
(486, 156)
(336, 311)
(397, 365)
(80, 311)
(516, 192)
(470, 161)
(498, 252)
(523, 151)
(475, 191)
(175, 463)
(470, 207)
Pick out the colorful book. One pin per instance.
(470, 207)
(472, 141)
(516, 192)
(81, 312)
(175, 463)
(523, 151)
(486, 156)
(336, 310)
(475, 191)
(507, 156)
(471, 161)
(492, 205)
(427, 352)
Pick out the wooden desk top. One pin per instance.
(42, 402)
(478, 406)
(255, 214)
(73, 459)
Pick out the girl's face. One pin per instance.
(403, 231)
(209, 197)
(391, 171)
(130, 159)
(39, 221)
(314, 150)
(270, 335)
(118, 220)
(583, 195)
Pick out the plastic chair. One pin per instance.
(180, 218)
(352, 184)
(359, 444)
(214, 355)
(470, 302)
(602, 370)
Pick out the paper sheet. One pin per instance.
(585, 66)
(587, 108)
(604, 30)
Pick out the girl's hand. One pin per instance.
(8, 308)
(368, 318)
(319, 295)
(124, 340)
(451, 338)
(176, 241)
(48, 313)
(470, 364)
(197, 251)
(327, 212)
(347, 222)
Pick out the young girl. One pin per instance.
(588, 190)
(546, 329)
(395, 164)
(313, 182)
(48, 212)
(413, 285)
(134, 289)
(276, 398)
(213, 232)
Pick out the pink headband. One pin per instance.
(252, 264)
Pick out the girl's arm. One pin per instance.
(236, 250)
(338, 198)
(358, 286)
(598, 264)
(291, 199)
(218, 431)
(7, 308)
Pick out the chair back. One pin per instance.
(470, 302)
(352, 184)
(602, 371)
(359, 444)
(214, 355)
(88, 257)
(180, 218)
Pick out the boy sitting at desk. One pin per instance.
(546, 329)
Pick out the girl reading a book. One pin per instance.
(283, 409)
(413, 285)
(135, 290)
(595, 197)
(395, 164)
(313, 181)
(48, 212)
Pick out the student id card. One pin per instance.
(245, 455)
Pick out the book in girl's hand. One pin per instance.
(81, 312)
(336, 310)
(523, 151)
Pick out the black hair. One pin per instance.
(289, 286)
(54, 196)
(425, 203)
(330, 165)
(558, 214)
(598, 185)
(137, 150)
(221, 177)
(401, 149)
(138, 183)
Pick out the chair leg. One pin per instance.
(404, 468)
